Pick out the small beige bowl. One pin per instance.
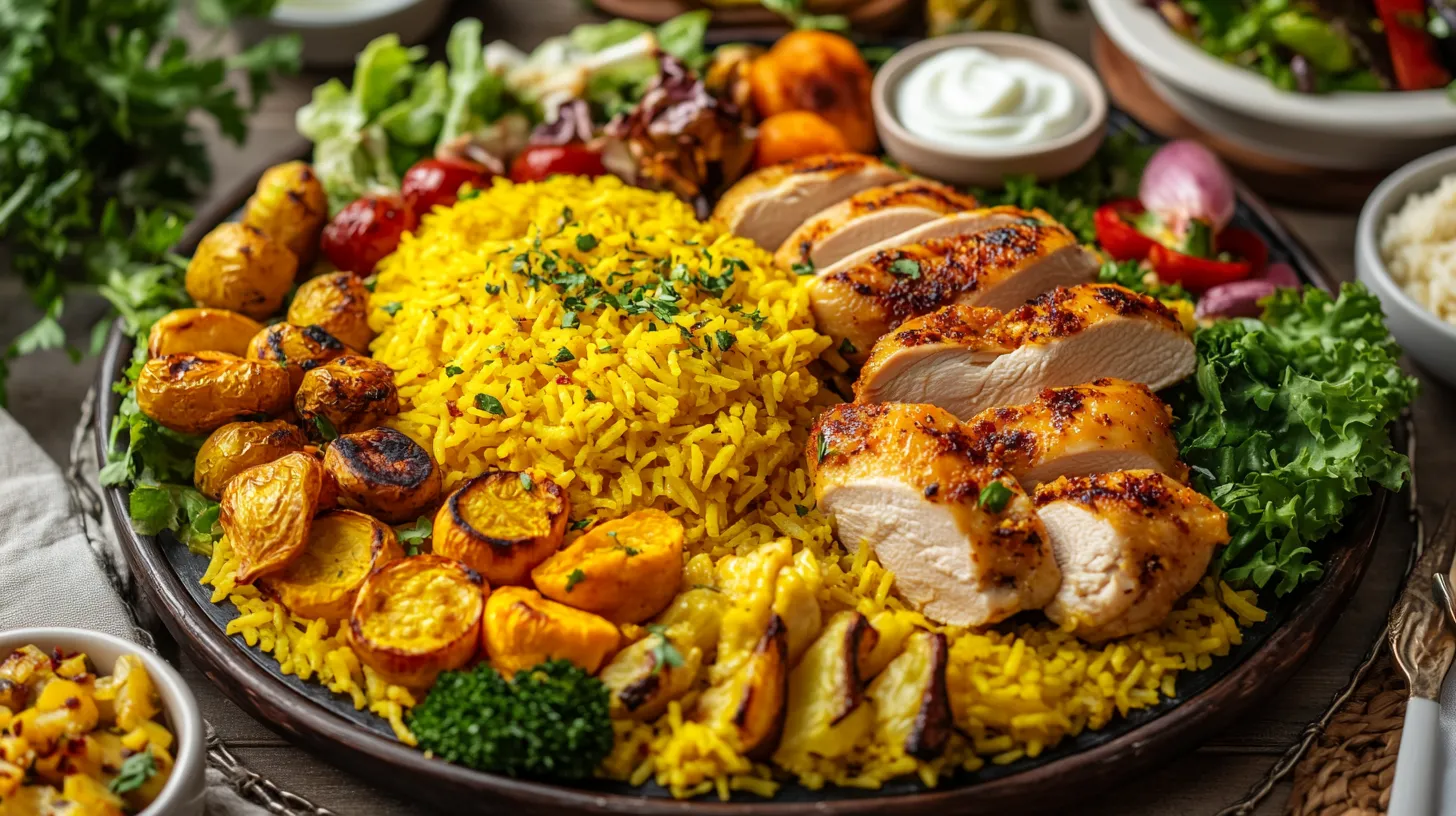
(1046, 161)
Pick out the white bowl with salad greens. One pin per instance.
(1348, 101)
(335, 31)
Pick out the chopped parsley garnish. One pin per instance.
(994, 496)
(489, 404)
(906, 268)
(846, 348)
(570, 320)
(392, 308)
(576, 577)
(526, 483)
(326, 429)
(823, 447)
(135, 771)
(521, 264)
(453, 371)
(803, 268)
(414, 535)
(493, 288)
(581, 524)
(663, 652)
(370, 282)
(586, 242)
(756, 318)
(725, 339)
(631, 551)
(563, 355)
(802, 510)
(590, 397)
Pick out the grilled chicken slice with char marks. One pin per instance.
(867, 218)
(768, 204)
(1099, 427)
(967, 360)
(1129, 545)
(906, 481)
(999, 268)
(969, 222)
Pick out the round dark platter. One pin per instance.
(307, 714)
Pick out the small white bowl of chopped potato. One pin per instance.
(99, 721)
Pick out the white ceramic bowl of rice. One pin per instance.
(1405, 252)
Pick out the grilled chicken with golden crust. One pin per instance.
(905, 480)
(768, 204)
(999, 268)
(1129, 545)
(969, 222)
(1099, 427)
(966, 360)
(867, 218)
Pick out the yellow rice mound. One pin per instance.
(502, 360)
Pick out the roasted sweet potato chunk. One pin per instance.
(384, 473)
(185, 330)
(201, 391)
(351, 393)
(826, 715)
(237, 446)
(343, 548)
(339, 304)
(912, 707)
(644, 677)
(523, 629)
(237, 267)
(747, 706)
(289, 205)
(298, 349)
(625, 570)
(503, 523)
(267, 512)
(416, 617)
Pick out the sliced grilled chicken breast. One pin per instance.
(1099, 427)
(1129, 545)
(867, 218)
(904, 480)
(966, 360)
(1000, 268)
(949, 226)
(768, 204)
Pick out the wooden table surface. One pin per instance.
(46, 391)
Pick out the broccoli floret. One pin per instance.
(550, 721)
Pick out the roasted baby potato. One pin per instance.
(826, 715)
(237, 267)
(912, 707)
(267, 512)
(416, 617)
(289, 206)
(644, 677)
(625, 570)
(384, 473)
(186, 330)
(351, 393)
(343, 548)
(747, 706)
(298, 349)
(503, 523)
(204, 390)
(523, 629)
(237, 446)
(338, 303)
(821, 72)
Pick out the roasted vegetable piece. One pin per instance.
(237, 446)
(1412, 50)
(644, 677)
(747, 707)
(202, 391)
(416, 617)
(625, 570)
(350, 393)
(365, 231)
(186, 330)
(338, 303)
(384, 473)
(237, 267)
(343, 547)
(912, 708)
(297, 349)
(267, 511)
(796, 600)
(523, 629)
(727, 75)
(826, 715)
(820, 72)
(132, 694)
(503, 523)
(795, 135)
(432, 183)
(290, 207)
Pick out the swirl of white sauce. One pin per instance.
(969, 98)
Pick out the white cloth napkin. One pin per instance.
(1447, 805)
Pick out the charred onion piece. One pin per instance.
(748, 705)
(912, 707)
(503, 523)
(384, 473)
(825, 715)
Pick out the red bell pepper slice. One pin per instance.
(1198, 274)
(1117, 237)
(1412, 51)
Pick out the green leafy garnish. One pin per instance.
(581, 524)
(453, 370)
(575, 577)
(906, 268)
(135, 771)
(325, 427)
(392, 308)
(802, 268)
(413, 536)
(994, 496)
(822, 447)
(586, 242)
(847, 348)
(590, 397)
(489, 404)
(802, 510)
(725, 339)
(526, 483)
(570, 320)
(563, 355)
(664, 654)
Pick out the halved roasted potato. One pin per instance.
(625, 570)
(747, 706)
(351, 393)
(237, 267)
(237, 446)
(644, 677)
(289, 205)
(912, 707)
(503, 523)
(523, 629)
(201, 391)
(183, 330)
(694, 616)
(826, 715)
(416, 617)
(267, 511)
(384, 473)
(298, 349)
(343, 548)
(338, 303)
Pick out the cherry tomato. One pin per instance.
(539, 162)
(367, 230)
(432, 183)
(1249, 256)
(1120, 239)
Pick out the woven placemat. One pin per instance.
(1349, 769)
